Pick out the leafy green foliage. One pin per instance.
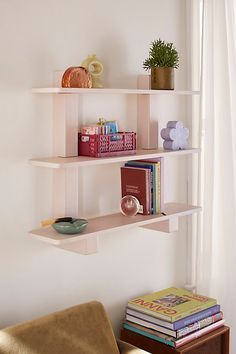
(161, 54)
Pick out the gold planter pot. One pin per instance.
(162, 78)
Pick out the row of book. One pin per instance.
(173, 316)
(143, 179)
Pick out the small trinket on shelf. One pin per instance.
(76, 77)
(113, 126)
(66, 225)
(95, 68)
(69, 225)
(47, 222)
(129, 205)
(110, 126)
(101, 121)
(175, 136)
(90, 129)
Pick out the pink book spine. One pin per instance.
(199, 333)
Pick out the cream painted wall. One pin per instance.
(36, 38)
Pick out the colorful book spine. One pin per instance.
(199, 333)
(159, 168)
(150, 325)
(171, 341)
(139, 164)
(180, 323)
(136, 182)
(160, 206)
(157, 175)
(180, 332)
(198, 325)
(159, 338)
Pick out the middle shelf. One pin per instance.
(67, 162)
(113, 222)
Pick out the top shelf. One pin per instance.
(59, 90)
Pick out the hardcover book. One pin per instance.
(153, 182)
(171, 304)
(137, 182)
(179, 333)
(159, 163)
(177, 324)
(171, 341)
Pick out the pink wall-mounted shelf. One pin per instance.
(59, 90)
(65, 163)
(87, 241)
(79, 161)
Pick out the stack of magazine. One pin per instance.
(173, 316)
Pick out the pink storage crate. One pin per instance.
(101, 145)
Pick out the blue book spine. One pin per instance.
(196, 317)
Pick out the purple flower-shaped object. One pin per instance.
(175, 136)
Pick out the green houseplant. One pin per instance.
(163, 59)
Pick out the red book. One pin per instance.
(137, 182)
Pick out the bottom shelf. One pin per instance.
(87, 242)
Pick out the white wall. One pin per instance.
(36, 38)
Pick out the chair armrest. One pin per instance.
(126, 348)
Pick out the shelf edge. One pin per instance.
(37, 233)
(60, 90)
(72, 162)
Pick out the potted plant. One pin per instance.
(163, 59)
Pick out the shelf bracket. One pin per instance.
(147, 129)
(65, 122)
(167, 226)
(65, 193)
(86, 246)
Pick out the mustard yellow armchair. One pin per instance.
(82, 329)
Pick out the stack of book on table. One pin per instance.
(173, 316)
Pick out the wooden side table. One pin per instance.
(215, 342)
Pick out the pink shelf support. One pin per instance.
(167, 226)
(147, 134)
(66, 112)
(86, 246)
(65, 125)
(65, 122)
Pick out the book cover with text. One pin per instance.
(171, 304)
(157, 180)
(151, 167)
(137, 182)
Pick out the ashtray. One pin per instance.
(69, 225)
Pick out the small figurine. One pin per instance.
(175, 136)
(76, 77)
(129, 205)
(95, 68)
